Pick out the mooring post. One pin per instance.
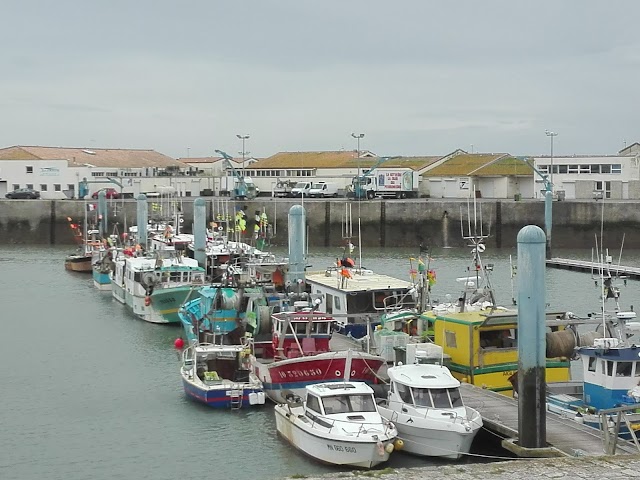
(102, 213)
(142, 219)
(297, 244)
(200, 231)
(548, 220)
(532, 420)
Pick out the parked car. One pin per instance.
(23, 193)
(109, 193)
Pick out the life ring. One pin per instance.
(147, 301)
(338, 373)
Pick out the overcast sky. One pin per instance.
(417, 77)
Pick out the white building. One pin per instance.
(61, 172)
(483, 175)
(591, 176)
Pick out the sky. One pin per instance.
(417, 77)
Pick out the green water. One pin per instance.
(89, 392)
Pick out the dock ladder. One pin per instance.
(235, 396)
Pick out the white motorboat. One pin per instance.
(337, 423)
(425, 404)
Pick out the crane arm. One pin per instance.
(543, 176)
(226, 162)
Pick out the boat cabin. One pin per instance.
(350, 400)
(301, 333)
(424, 386)
(351, 294)
(609, 373)
(214, 363)
(483, 346)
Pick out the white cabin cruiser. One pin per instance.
(424, 403)
(338, 423)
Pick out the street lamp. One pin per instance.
(243, 138)
(551, 135)
(358, 136)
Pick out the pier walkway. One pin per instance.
(500, 415)
(587, 266)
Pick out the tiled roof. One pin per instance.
(200, 159)
(99, 157)
(311, 160)
(480, 164)
(341, 159)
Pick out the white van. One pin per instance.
(324, 189)
(301, 188)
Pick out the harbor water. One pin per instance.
(88, 391)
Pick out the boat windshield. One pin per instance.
(437, 397)
(348, 404)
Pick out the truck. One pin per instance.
(387, 182)
(283, 188)
(301, 189)
(324, 189)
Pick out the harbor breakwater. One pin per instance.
(379, 223)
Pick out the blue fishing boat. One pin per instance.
(219, 375)
(608, 397)
(224, 311)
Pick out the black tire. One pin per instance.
(403, 194)
(370, 195)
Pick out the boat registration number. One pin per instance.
(340, 448)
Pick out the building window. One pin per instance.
(30, 185)
(29, 169)
(71, 186)
(585, 169)
(543, 168)
(605, 168)
(595, 168)
(616, 168)
(16, 186)
(97, 174)
(43, 187)
(450, 339)
(57, 187)
(573, 168)
(562, 169)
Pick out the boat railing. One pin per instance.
(364, 428)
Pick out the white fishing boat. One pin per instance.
(337, 423)
(135, 278)
(425, 404)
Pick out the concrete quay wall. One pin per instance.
(619, 467)
(393, 223)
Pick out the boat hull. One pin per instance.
(167, 301)
(284, 378)
(78, 263)
(101, 280)
(220, 396)
(329, 449)
(432, 438)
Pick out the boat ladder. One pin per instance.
(235, 397)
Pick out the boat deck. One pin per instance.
(500, 415)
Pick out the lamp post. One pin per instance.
(243, 138)
(358, 136)
(551, 135)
